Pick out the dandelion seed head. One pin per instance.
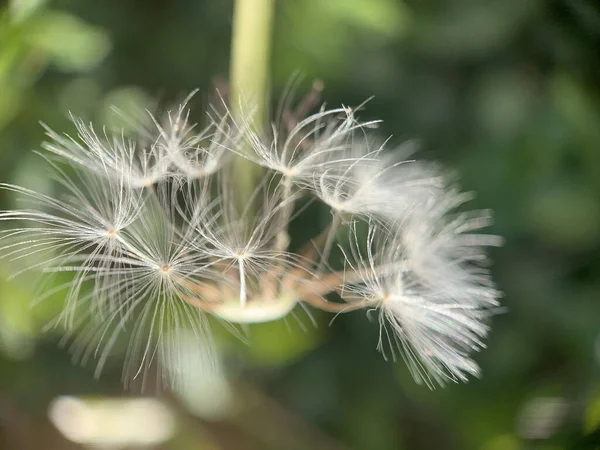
(153, 231)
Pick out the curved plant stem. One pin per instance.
(331, 233)
(287, 198)
(319, 303)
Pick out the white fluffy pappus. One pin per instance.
(304, 148)
(249, 244)
(155, 235)
(368, 180)
(434, 328)
(172, 147)
(78, 232)
(156, 301)
(132, 269)
(445, 250)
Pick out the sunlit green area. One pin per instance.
(505, 93)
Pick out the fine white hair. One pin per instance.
(156, 233)
(433, 296)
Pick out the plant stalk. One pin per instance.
(249, 79)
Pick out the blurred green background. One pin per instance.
(507, 93)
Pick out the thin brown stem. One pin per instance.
(204, 306)
(332, 282)
(308, 253)
(318, 302)
(310, 250)
(310, 101)
(331, 234)
(287, 210)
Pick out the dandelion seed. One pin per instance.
(155, 297)
(112, 155)
(367, 181)
(433, 329)
(171, 149)
(248, 247)
(79, 233)
(192, 153)
(310, 146)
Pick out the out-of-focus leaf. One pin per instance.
(125, 106)
(503, 442)
(473, 30)
(17, 327)
(69, 43)
(582, 113)
(22, 9)
(380, 16)
(592, 414)
(324, 33)
(276, 343)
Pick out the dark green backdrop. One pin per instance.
(505, 92)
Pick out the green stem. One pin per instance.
(251, 49)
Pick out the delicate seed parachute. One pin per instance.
(150, 227)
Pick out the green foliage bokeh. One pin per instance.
(505, 93)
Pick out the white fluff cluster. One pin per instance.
(152, 229)
(172, 149)
(428, 279)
